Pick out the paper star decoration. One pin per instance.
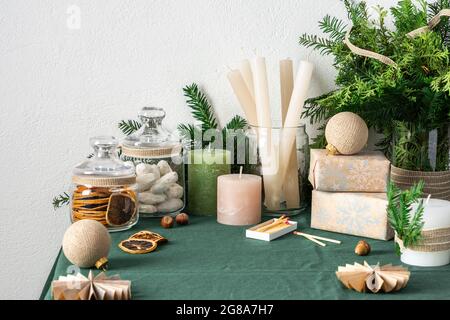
(79, 287)
(363, 278)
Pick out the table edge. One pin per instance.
(50, 277)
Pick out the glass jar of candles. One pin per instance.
(284, 168)
(104, 188)
(157, 155)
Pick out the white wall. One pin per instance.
(59, 86)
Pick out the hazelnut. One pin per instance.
(182, 219)
(362, 248)
(167, 222)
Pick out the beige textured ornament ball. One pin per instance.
(86, 242)
(347, 133)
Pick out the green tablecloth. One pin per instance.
(206, 260)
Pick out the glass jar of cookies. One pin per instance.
(158, 157)
(104, 188)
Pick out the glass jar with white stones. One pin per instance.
(157, 155)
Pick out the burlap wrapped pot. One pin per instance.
(436, 183)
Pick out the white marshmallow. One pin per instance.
(164, 183)
(164, 167)
(170, 205)
(147, 208)
(145, 181)
(143, 168)
(150, 198)
(175, 191)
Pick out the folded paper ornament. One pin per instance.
(102, 287)
(363, 278)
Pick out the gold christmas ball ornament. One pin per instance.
(86, 243)
(346, 133)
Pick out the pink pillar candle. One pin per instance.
(239, 199)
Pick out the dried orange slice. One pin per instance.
(121, 209)
(149, 235)
(138, 246)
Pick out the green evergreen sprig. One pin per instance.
(236, 123)
(202, 111)
(414, 91)
(333, 26)
(60, 200)
(129, 127)
(324, 46)
(200, 107)
(407, 226)
(191, 136)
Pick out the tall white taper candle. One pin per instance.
(246, 71)
(262, 94)
(298, 98)
(269, 156)
(290, 187)
(243, 94)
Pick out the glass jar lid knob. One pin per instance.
(103, 146)
(153, 133)
(104, 161)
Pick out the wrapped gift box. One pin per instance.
(364, 172)
(359, 214)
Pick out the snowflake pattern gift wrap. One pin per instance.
(359, 214)
(364, 172)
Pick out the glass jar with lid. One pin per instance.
(104, 188)
(158, 157)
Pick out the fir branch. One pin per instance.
(408, 228)
(319, 142)
(187, 131)
(316, 110)
(233, 128)
(202, 110)
(356, 11)
(324, 46)
(236, 123)
(191, 136)
(407, 17)
(129, 127)
(335, 27)
(60, 201)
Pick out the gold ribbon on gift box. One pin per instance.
(386, 60)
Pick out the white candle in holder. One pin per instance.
(239, 199)
(436, 216)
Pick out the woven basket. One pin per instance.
(436, 183)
